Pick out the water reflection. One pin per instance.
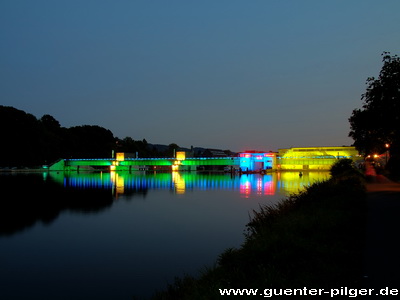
(114, 235)
(260, 185)
(293, 182)
(180, 183)
(28, 199)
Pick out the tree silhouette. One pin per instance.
(30, 142)
(378, 122)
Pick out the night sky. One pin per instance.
(221, 74)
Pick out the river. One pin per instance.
(118, 235)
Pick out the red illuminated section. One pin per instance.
(269, 188)
(261, 186)
(245, 189)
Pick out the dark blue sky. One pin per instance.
(224, 73)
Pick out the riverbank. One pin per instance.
(314, 239)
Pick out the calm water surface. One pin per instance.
(118, 235)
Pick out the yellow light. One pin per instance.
(120, 156)
(376, 155)
(120, 184)
(179, 183)
(181, 155)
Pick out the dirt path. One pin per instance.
(382, 254)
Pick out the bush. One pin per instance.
(344, 168)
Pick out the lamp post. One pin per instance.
(387, 152)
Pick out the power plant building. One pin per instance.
(313, 158)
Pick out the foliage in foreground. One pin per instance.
(344, 168)
(311, 239)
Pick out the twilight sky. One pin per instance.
(229, 74)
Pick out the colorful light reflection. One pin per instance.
(247, 184)
(257, 184)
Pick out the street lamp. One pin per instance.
(387, 152)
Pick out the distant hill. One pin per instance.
(163, 148)
(197, 151)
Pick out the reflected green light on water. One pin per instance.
(180, 183)
(146, 227)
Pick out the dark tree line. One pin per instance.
(375, 127)
(27, 141)
(144, 149)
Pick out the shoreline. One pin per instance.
(314, 238)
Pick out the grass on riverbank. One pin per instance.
(313, 239)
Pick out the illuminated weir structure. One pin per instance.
(120, 163)
(316, 158)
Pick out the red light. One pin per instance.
(245, 189)
(269, 188)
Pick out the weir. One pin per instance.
(133, 164)
(292, 159)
